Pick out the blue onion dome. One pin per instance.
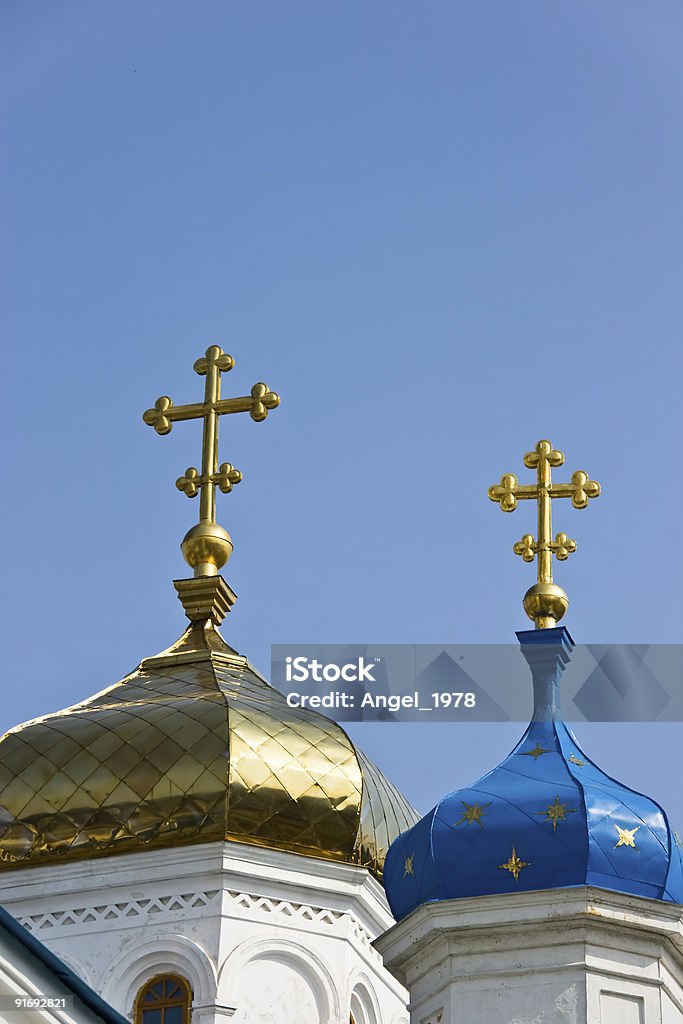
(546, 818)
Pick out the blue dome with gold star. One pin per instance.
(547, 817)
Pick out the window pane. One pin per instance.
(153, 994)
(164, 1000)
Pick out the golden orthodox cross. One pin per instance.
(545, 602)
(207, 546)
(165, 414)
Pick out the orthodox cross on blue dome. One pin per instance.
(545, 602)
(546, 817)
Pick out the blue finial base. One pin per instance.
(547, 653)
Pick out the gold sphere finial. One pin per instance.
(206, 548)
(545, 603)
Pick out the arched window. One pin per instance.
(165, 999)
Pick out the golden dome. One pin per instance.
(193, 746)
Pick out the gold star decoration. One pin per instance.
(576, 760)
(408, 868)
(537, 752)
(515, 864)
(626, 836)
(557, 812)
(472, 812)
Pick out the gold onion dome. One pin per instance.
(194, 746)
(191, 747)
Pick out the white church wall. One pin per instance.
(260, 935)
(274, 978)
(672, 987)
(24, 977)
(568, 956)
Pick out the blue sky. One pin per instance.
(441, 231)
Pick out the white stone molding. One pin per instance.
(364, 1004)
(287, 908)
(78, 967)
(211, 1013)
(169, 905)
(141, 960)
(307, 963)
(102, 914)
(296, 912)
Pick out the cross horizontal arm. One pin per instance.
(250, 404)
(192, 480)
(176, 413)
(196, 410)
(165, 413)
(530, 491)
(580, 490)
(508, 490)
(561, 490)
(524, 491)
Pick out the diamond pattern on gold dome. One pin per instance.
(192, 747)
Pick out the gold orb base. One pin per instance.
(206, 548)
(545, 603)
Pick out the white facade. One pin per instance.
(565, 956)
(32, 993)
(261, 935)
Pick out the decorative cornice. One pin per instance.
(123, 911)
(235, 900)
